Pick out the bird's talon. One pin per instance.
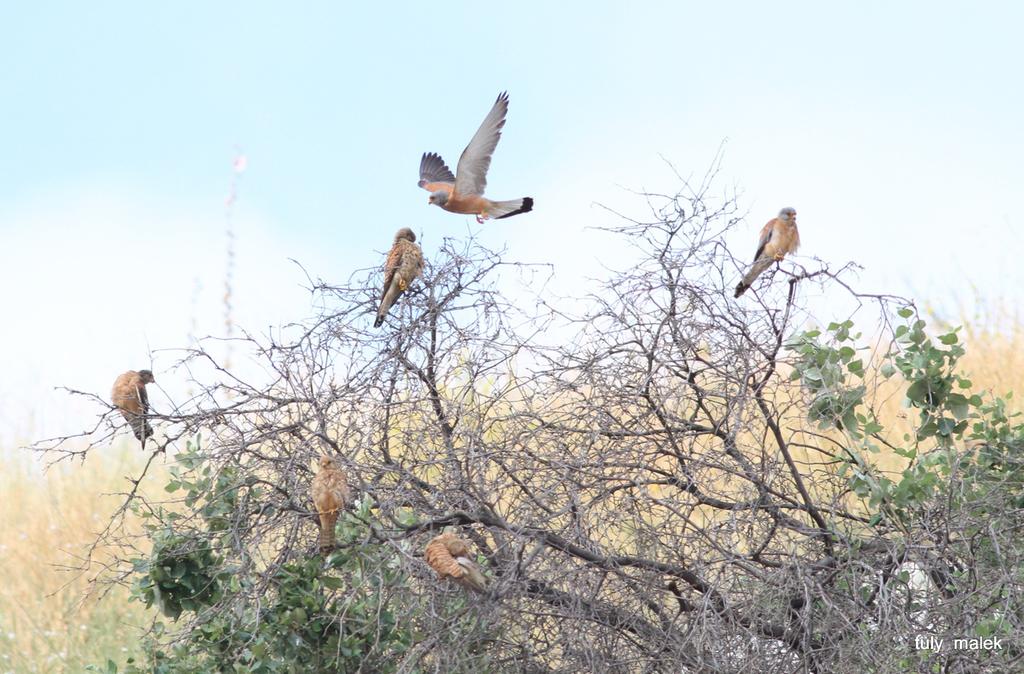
(402, 285)
(479, 220)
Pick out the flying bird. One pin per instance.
(404, 264)
(330, 495)
(449, 556)
(778, 237)
(464, 191)
(129, 396)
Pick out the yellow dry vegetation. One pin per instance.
(52, 618)
(994, 362)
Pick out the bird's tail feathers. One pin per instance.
(141, 428)
(506, 209)
(385, 304)
(327, 521)
(756, 270)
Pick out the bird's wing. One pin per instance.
(339, 487)
(117, 391)
(766, 236)
(143, 396)
(411, 262)
(434, 172)
(317, 491)
(471, 173)
(391, 266)
(471, 574)
(125, 393)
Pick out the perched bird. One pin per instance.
(449, 556)
(778, 237)
(129, 396)
(463, 192)
(330, 495)
(404, 264)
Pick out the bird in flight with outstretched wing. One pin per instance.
(464, 191)
(129, 396)
(404, 264)
(778, 237)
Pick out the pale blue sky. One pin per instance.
(894, 128)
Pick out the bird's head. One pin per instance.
(439, 198)
(788, 214)
(146, 376)
(327, 462)
(405, 233)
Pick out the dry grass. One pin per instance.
(995, 351)
(52, 619)
(994, 362)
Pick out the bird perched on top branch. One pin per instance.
(129, 396)
(404, 264)
(778, 237)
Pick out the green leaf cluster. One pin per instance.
(305, 614)
(824, 367)
(182, 574)
(949, 415)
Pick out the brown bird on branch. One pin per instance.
(330, 495)
(778, 237)
(448, 555)
(463, 192)
(404, 264)
(129, 396)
